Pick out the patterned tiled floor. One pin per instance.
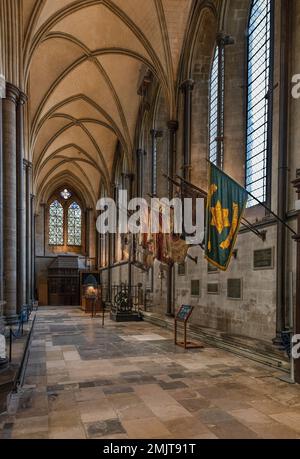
(130, 381)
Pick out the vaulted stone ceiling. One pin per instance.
(83, 63)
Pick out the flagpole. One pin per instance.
(247, 224)
(257, 200)
(251, 228)
(171, 180)
(204, 193)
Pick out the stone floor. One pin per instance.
(130, 381)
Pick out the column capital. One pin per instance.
(27, 164)
(172, 125)
(155, 133)
(187, 85)
(12, 93)
(128, 175)
(22, 98)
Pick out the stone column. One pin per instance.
(281, 275)
(28, 230)
(187, 88)
(97, 248)
(9, 203)
(93, 239)
(3, 359)
(129, 187)
(32, 266)
(2, 95)
(87, 235)
(296, 184)
(172, 127)
(109, 264)
(155, 134)
(140, 171)
(21, 224)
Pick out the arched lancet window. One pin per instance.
(65, 225)
(259, 84)
(56, 223)
(216, 108)
(74, 224)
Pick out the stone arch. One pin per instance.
(234, 23)
(200, 66)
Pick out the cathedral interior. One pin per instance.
(98, 96)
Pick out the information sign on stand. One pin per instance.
(182, 316)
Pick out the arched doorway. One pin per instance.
(65, 234)
(63, 281)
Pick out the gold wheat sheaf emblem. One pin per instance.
(220, 220)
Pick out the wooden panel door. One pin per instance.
(63, 291)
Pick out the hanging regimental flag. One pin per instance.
(226, 203)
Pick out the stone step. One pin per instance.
(255, 350)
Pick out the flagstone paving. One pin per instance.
(130, 381)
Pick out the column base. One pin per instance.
(11, 319)
(2, 325)
(277, 342)
(3, 364)
(170, 314)
(125, 316)
(25, 308)
(3, 354)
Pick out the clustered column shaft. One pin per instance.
(12, 204)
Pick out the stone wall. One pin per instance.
(254, 315)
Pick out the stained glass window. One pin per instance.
(74, 224)
(216, 108)
(258, 117)
(65, 194)
(56, 224)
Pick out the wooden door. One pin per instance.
(63, 291)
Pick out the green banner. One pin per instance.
(225, 206)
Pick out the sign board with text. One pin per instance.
(182, 317)
(184, 312)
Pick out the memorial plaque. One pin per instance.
(263, 258)
(181, 269)
(195, 287)
(234, 289)
(213, 289)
